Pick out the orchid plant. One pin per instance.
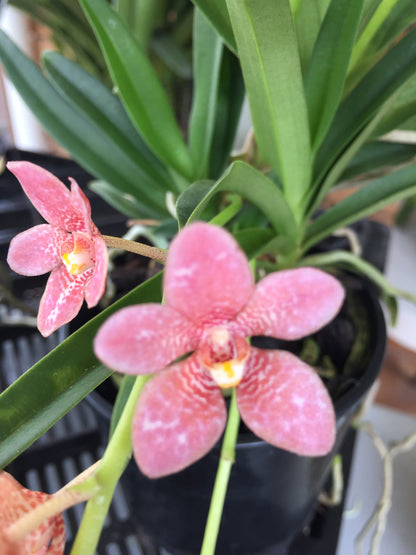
(325, 80)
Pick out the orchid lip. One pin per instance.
(227, 374)
(224, 356)
(80, 259)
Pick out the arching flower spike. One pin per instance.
(212, 306)
(15, 501)
(69, 246)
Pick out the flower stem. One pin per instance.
(227, 458)
(113, 464)
(137, 248)
(229, 211)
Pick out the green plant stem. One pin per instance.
(349, 261)
(227, 459)
(229, 211)
(113, 463)
(137, 248)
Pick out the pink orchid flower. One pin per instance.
(15, 501)
(212, 306)
(69, 246)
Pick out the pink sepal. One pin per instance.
(61, 300)
(38, 250)
(47, 194)
(143, 339)
(179, 417)
(15, 501)
(284, 402)
(82, 209)
(291, 304)
(95, 286)
(207, 277)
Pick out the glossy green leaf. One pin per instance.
(269, 58)
(231, 92)
(386, 77)
(121, 400)
(397, 22)
(248, 182)
(95, 151)
(191, 198)
(207, 55)
(324, 81)
(173, 55)
(100, 106)
(254, 241)
(48, 390)
(307, 24)
(319, 190)
(375, 22)
(369, 199)
(217, 13)
(137, 84)
(376, 155)
(69, 30)
(402, 112)
(123, 202)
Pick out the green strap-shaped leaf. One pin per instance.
(376, 155)
(269, 58)
(394, 69)
(376, 21)
(318, 189)
(402, 109)
(371, 198)
(231, 92)
(140, 91)
(217, 13)
(254, 241)
(96, 152)
(324, 81)
(99, 105)
(207, 54)
(176, 57)
(190, 199)
(43, 394)
(388, 30)
(250, 184)
(124, 203)
(70, 30)
(308, 21)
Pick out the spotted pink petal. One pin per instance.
(48, 195)
(283, 401)
(145, 338)
(38, 250)
(81, 206)
(95, 286)
(207, 276)
(15, 501)
(61, 300)
(179, 417)
(291, 304)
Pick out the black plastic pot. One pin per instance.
(272, 493)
